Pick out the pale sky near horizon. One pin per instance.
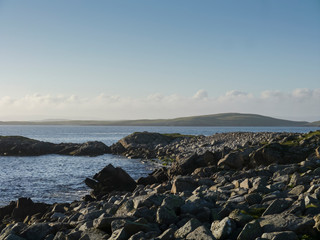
(159, 59)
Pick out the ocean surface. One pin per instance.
(56, 178)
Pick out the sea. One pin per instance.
(56, 178)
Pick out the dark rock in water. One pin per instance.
(94, 148)
(22, 146)
(110, 179)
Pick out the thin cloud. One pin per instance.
(300, 104)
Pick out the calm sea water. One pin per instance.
(54, 178)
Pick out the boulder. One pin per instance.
(200, 233)
(223, 229)
(110, 179)
(166, 215)
(183, 183)
(157, 176)
(287, 222)
(187, 228)
(251, 231)
(185, 165)
(288, 235)
(26, 207)
(236, 159)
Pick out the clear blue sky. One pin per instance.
(134, 49)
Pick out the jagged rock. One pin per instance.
(240, 218)
(288, 235)
(187, 228)
(287, 222)
(140, 144)
(110, 179)
(184, 166)
(235, 159)
(253, 198)
(36, 231)
(166, 215)
(251, 231)
(26, 207)
(200, 233)
(222, 229)
(183, 183)
(277, 206)
(167, 234)
(157, 176)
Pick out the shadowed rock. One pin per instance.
(110, 179)
(22, 146)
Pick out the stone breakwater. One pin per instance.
(227, 186)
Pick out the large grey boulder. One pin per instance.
(251, 231)
(223, 229)
(287, 235)
(183, 183)
(187, 228)
(287, 222)
(200, 233)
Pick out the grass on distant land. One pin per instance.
(306, 136)
(177, 135)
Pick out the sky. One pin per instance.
(112, 60)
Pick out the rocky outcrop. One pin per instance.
(269, 202)
(237, 193)
(143, 144)
(110, 179)
(22, 146)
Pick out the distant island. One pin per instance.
(222, 119)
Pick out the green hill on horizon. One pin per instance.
(314, 124)
(222, 119)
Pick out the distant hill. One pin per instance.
(223, 119)
(314, 124)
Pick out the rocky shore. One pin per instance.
(22, 146)
(227, 186)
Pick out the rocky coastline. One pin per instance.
(225, 186)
